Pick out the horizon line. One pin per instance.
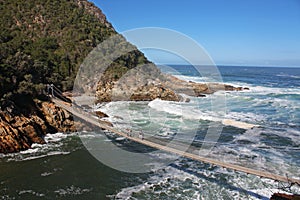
(228, 65)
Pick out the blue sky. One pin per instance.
(233, 32)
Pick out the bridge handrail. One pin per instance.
(79, 112)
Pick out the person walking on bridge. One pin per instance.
(141, 135)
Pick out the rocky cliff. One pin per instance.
(45, 42)
(19, 130)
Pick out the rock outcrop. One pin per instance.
(147, 83)
(197, 89)
(46, 42)
(151, 92)
(18, 131)
(281, 196)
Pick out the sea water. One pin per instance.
(64, 169)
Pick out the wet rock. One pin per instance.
(151, 92)
(186, 100)
(18, 132)
(101, 114)
(281, 196)
(201, 95)
(165, 87)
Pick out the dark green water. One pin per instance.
(76, 175)
(64, 169)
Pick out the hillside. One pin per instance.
(45, 42)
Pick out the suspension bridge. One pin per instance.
(63, 102)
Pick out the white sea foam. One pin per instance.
(251, 135)
(194, 180)
(119, 112)
(252, 152)
(197, 79)
(273, 90)
(288, 76)
(205, 80)
(35, 148)
(46, 174)
(253, 88)
(159, 180)
(72, 191)
(180, 110)
(37, 194)
(247, 116)
(197, 114)
(53, 147)
(120, 138)
(285, 103)
(55, 137)
(248, 148)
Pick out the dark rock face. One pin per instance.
(101, 114)
(140, 87)
(280, 196)
(18, 132)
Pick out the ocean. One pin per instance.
(64, 168)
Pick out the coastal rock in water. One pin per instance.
(57, 118)
(151, 92)
(280, 196)
(101, 114)
(146, 83)
(18, 132)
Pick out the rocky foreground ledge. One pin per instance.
(19, 131)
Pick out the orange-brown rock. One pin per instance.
(18, 132)
(151, 92)
(281, 196)
(147, 83)
(101, 114)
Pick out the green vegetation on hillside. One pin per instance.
(45, 41)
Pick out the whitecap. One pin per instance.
(120, 138)
(196, 114)
(273, 90)
(37, 194)
(288, 76)
(53, 146)
(72, 190)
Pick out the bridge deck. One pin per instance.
(86, 117)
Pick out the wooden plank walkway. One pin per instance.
(87, 117)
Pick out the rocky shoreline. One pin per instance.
(19, 131)
(146, 83)
(130, 77)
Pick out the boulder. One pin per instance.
(18, 132)
(101, 114)
(281, 196)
